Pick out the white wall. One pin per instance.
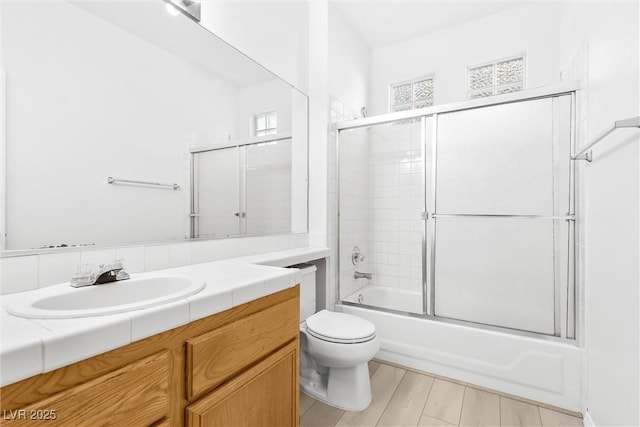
(318, 47)
(348, 62)
(600, 44)
(104, 104)
(530, 30)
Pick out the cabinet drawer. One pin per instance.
(215, 357)
(136, 395)
(265, 395)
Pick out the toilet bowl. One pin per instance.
(335, 349)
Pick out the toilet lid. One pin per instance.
(340, 327)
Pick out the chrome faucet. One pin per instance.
(358, 275)
(107, 273)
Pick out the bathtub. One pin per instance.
(388, 298)
(546, 370)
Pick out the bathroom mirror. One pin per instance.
(109, 108)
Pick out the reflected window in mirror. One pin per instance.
(265, 123)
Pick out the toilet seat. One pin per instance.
(340, 327)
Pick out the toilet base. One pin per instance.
(344, 388)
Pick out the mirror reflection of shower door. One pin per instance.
(267, 175)
(502, 199)
(217, 199)
(243, 190)
(381, 200)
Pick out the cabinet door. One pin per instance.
(217, 356)
(265, 395)
(136, 395)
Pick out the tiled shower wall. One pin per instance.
(396, 202)
(338, 112)
(354, 184)
(381, 199)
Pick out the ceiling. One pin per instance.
(382, 23)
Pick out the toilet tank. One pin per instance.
(307, 290)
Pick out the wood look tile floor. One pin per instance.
(406, 398)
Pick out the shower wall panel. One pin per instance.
(396, 201)
(354, 208)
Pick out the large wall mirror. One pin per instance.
(105, 100)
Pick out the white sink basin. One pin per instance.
(143, 291)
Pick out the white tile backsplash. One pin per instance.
(180, 255)
(157, 257)
(97, 257)
(22, 273)
(201, 252)
(18, 274)
(57, 268)
(132, 259)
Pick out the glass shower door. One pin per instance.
(268, 187)
(216, 196)
(502, 226)
(381, 200)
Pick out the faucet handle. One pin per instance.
(83, 275)
(83, 270)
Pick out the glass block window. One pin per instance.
(416, 93)
(504, 76)
(265, 123)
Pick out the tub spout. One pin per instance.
(359, 275)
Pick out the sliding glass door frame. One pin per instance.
(564, 296)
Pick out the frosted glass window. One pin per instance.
(481, 77)
(265, 123)
(402, 94)
(423, 90)
(416, 93)
(508, 72)
(504, 76)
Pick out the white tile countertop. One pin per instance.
(32, 346)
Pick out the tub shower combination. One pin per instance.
(464, 216)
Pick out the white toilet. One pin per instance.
(335, 349)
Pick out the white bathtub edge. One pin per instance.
(536, 369)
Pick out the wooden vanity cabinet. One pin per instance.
(260, 396)
(235, 368)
